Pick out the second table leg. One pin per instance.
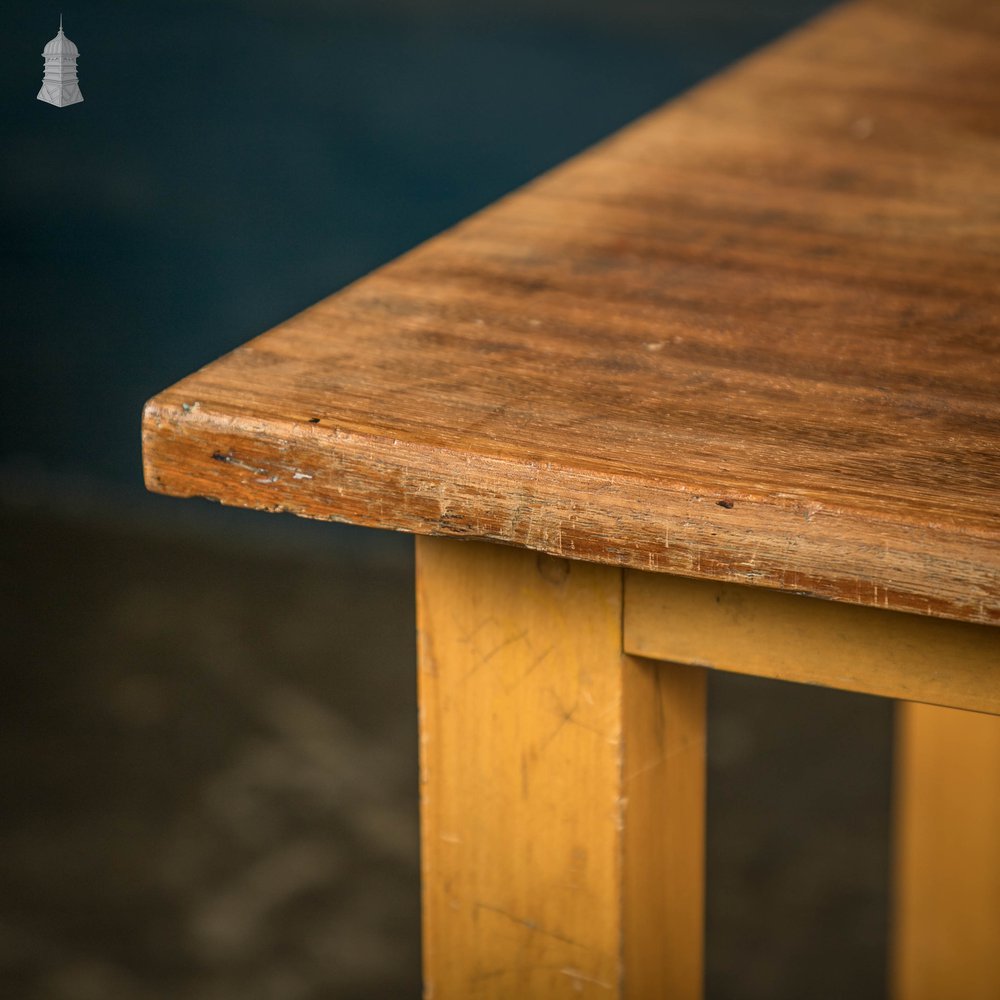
(947, 891)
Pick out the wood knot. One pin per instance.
(553, 568)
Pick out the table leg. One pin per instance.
(562, 786)
(947, 891)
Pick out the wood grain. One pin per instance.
(947, 887)
(753, 337)
(748, 630)
(562, 786)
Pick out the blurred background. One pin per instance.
(207, 727)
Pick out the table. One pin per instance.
(720, 393)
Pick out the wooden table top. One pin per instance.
(752, 337)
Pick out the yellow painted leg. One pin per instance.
(562, 786)
(947, 886)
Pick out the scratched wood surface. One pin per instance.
(753, 337)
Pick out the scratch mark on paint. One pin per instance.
(579, 978)
(481, 662)
(536, 662)
(530, 925)
(467, 637)
(503, 645)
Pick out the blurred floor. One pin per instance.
(208, 771)
(208, 777)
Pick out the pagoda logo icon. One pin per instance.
(59, 85)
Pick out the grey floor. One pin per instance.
(208, 780)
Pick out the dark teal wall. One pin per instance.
(234, 162)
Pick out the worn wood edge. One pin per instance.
(332, 474)
(788, 637)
